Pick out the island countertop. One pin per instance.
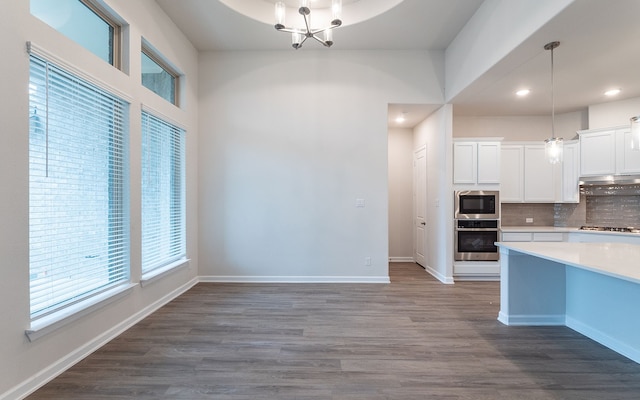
(619, 260)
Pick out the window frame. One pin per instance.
(179, 169)
(42, 320)
(156, 57)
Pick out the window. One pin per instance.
(157, 77)
(163, 193)
(78, 189)
(83, 23)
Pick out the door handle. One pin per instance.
(423, 223)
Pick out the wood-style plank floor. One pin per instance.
(412, 339)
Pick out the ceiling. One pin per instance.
(599, 49)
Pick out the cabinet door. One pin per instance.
(511, 174)
(488, 162)
(571, 173)
(465, 162)
(597, 153)
(627, 159)
(539, 176)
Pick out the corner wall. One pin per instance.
(436, 133)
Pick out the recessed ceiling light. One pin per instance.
(612, 92)
(400, 119)
(523, 92)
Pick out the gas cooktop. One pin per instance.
(629, 229)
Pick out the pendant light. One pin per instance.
(553, 146)
(635, 133)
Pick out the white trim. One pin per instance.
(401, 259)
(532, 320)
(158, 273)
(38, 380)
(477, 278)
(32, 48)
(54, 321)
(604, 339)
(294, 279)
(164, 117)
(444, 279)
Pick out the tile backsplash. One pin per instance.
(616, 206)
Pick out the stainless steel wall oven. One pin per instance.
(474, 240)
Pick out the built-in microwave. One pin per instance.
(477, 204)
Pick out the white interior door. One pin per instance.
(420, 205)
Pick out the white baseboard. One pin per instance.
(604, 339)
(532, 320)
(294, 279)
(401, 259)
(436, 274)
(38, 380)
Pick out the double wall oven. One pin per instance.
(477, 224)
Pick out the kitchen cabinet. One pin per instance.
(476, 162)
(512, 173)
(533, 237)
(597, 152)
(627, 159)
(540, 176)
(570, 189)
(608, 152)
(526, 175)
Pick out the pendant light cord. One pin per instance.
(553, 103)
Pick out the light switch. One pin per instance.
(359, 202)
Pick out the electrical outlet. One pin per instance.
(367, 261)
(529, 220)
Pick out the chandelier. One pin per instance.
(300, 35)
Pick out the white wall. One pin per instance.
(400, 194)
(520, 128)
(25, 365)
(289, 140)
(436, 133)
(614, 113)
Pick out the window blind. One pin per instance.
(78, 189)
(163, 193)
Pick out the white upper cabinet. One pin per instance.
(512, 173)
(540, 176)
(571, 173)
(597, 152)
(476, 162)
(489, 162)
(608, 152)
(627, 159)
(465, 161)
(527, 176)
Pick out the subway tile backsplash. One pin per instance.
(616, 206)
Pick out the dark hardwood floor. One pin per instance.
(412, 339)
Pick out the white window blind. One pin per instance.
(163, 193)
(78, 189)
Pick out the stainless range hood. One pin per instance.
(609, 180)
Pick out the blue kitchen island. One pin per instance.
(593, 288)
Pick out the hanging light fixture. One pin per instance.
(553, 146)
(635, 132)
(299, 36)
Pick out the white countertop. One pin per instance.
(619, 260)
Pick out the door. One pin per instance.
(420, 205)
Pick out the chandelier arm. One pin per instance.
(328, 28)
(320, 40)
(289, 30)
